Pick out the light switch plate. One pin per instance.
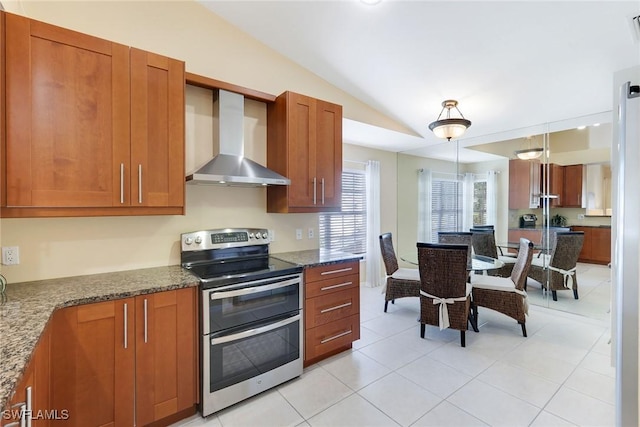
(298, 233)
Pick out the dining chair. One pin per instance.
(483, 242)
(401, 282)
(506, 295)
(445, 295)
(457, 238)
(557, 271)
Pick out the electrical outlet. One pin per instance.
(580, 216)
(311, 233)
(298, 233)
(10, 255)
(272, 235)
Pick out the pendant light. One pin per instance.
(450, 127)
(529, 153)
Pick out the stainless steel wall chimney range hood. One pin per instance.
(230, 167)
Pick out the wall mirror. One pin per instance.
(564, 144)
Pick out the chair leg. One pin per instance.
(473, 317)
(393, 301)
(462, 343)
(385, 306)
(554, 295)
(422, 327)
(524, 329)
(575, 293)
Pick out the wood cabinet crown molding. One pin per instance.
(209, 83)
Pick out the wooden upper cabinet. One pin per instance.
(92, 127)
(157, 130)
(524, 184)
(304, 143)
(556, 184)
(573, 186)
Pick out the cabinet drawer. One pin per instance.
(332, 336)
(330, 307)
(332, 270)
(334, 284)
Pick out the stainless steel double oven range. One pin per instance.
(251, 318)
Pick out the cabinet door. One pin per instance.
(601, 245)
(157, 130)
(573, 186)
(556, 184)
(328, 149)
(67, 117)
(166, 345)
(301, 124)
(92, 363)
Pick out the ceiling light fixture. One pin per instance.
(529, 153)
(449, 127)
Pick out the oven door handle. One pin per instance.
(255, 331)
(255, 289)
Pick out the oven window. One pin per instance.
(235, 310)
(236, 361)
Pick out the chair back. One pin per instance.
(443, 269)
(566, 250)
(522, 264)
(484, 242)
(483, 227)
(388, 254)
(457, 238)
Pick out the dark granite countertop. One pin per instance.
(316, 257)
(30, 305)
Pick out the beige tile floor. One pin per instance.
(559, 376)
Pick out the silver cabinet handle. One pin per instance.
(335, 337)
(342, 270)
(29, 413)
(322, 191)
(140, 184)
(314, 190)
(337, 307)
(125, 326)
(23, 415)
(121, 183)
(339, 285)
(145, 322)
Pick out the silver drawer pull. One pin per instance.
(337, 307)
(342, 270)
(326, 288)
(335, 337)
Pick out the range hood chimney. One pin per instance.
(230, 167)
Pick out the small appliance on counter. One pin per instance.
(528, 221)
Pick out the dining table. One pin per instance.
(478, 262)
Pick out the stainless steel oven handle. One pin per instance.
(256, 331)
(255, 289)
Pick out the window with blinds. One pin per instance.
(446, 206)
(347, 230)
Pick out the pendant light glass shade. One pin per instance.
(449, 127)
(529, 153)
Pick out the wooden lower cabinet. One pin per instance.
(126, 362)
(331, 309)
(596, 248)
(35, 383)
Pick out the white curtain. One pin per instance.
(492, 197)
(425, 179)
(467, 202)
(373, 265)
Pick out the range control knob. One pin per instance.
(188, 241)
(258, 236)
(265, 235)
(251, 235)
(198, 240)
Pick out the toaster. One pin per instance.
(528, 221)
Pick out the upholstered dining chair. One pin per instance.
(457, 238)
(401, 282)
(557, 271)
(484, 243)
(506, 294)
(445, 295)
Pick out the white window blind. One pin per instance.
(347, 230)
(446, 206)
